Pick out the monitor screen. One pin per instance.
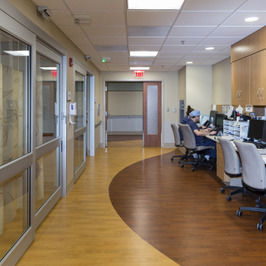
(220, 120)
(256, 128)
(213, 117)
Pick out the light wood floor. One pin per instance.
(84, 228)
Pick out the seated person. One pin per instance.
(200, 134)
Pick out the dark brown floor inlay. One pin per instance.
(184, 215)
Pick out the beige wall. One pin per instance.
(125, 103)
(199, 88)
(27, 8)
(221, 82)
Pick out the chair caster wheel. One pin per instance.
(260, 226)
(222, 190)
(182, 166)
(238, 213)
(228, 198)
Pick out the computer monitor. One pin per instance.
(257, 129)
(220, 120)
(213, 117)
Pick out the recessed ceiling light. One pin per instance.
(154, 4)
(209, 48)
(139, 68)
(18, 53)
(143, 53)
(251, 19)
(189, 62)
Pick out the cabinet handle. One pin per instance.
(240, 94)
(262, 98)
(258, 93)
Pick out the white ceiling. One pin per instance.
(179, 36)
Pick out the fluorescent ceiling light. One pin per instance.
(154, 4)
(209, 48)
(143, 53)
(139, 68)
(251, 19)
(48, 68)
(189, 62)
(18, 53)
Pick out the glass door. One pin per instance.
(16, 157)
(47, 131)
(80, 124)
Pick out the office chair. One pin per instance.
(232, 167)
(253, 177)
(189, 142)
(178, 142)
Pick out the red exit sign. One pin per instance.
(139, 73)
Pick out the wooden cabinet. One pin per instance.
(240, 82)
(220, 164)
(257, 78)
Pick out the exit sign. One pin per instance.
(139, 74)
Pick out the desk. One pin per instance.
(220, 159)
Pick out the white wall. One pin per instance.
(221, 82)
(169, 95)
(199, 88)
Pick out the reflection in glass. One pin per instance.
(47, 176)
(47, 109)
(14, 82)
(14, 210)
(79, 94)
(79, 151)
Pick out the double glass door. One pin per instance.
(30, 136)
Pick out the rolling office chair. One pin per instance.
(232, 167)
(189, 142)
(253, 177)
(178, 142)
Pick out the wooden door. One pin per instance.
(152, 114)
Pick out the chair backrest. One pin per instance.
(232, 165)
(253, 167)
(189, 140)
(176, 135)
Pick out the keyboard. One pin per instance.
(260, 145)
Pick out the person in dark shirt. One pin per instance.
(201, 133)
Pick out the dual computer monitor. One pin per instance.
(257, 130)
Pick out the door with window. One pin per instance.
(80, 123)
(152, 114)
(16, 157)
(47, 131)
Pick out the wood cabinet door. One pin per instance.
(263, 76)
(240, 82)
(255, 79)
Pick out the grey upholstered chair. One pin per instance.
(253, 176)
(232, 167)
(189, 142)
(178, 142)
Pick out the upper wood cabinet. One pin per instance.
(250, 45)
(257, 79)
(240, 82)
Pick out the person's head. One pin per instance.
(195, 115)
(189, 109)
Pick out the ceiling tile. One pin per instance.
(146, 18)
(253, 5)
(148, 31)
(114, 31)
(190, 31)
(201, 18)
(234, 31)
(213, 5)
(95, 5)
(221, 41)
(143, 41)
(180, 40)
(108, 41)
(110, 18)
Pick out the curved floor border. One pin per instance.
(183, 214)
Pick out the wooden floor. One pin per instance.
(181, 215)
